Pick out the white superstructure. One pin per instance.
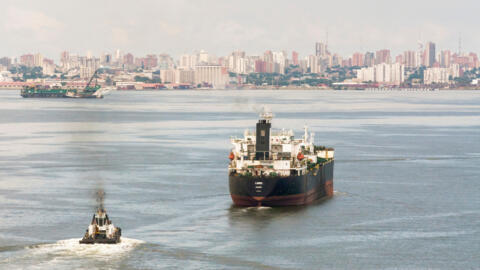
(101, 223)
(287, 155)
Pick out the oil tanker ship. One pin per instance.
(38, 91)
(270, 168)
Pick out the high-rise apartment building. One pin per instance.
(337, 60)
(409, 59)
(439, 75)
(445, 58)
(64, 60)
(269, 64)
(236, 62)
(314, 64)
(27, 60)
(295, 58)
(118, 56)
(280, 62)
(5, 61)
(150, 61)
(357, 59)
(204, 58)
(383, 73)
(430, 54)
(347, 62)
(383, 56)
(128, 60)
(473, 60)
(399, 59)
(106, 59)
(88, 66)
(188, 61)
(367, 74)
(38, 60)
(321, 49)
(369, 59)
(48, 67)
(260, 66)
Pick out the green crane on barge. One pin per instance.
(40, 91)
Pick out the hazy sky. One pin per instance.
(221, 26)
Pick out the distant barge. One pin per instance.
(274, 169)
(39, 91)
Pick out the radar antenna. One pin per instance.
(266, 114)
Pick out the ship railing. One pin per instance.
(282, 133)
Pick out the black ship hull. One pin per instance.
(102, 239)
(283, 191)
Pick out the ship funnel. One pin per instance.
(262, 144)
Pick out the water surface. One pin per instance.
(407, 181)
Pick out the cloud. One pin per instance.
(33, 23)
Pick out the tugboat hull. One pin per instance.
(101, 239)
(283, 191)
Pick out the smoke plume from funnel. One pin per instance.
(257, 108)
(100, 198)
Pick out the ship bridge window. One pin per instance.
(100, 221)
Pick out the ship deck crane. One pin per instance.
(91, 79)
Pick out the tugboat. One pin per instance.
(275, 169)
(101, 230)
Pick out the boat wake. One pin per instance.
(71, 247)
(256, 208)
(339, 193)
(67, 254)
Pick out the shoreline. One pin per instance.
(293, 89)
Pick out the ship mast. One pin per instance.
(266, 114)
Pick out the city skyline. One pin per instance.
(426, 66)
(429, 52)
(181, 27)
(428, 55)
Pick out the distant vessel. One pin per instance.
(39, 91)
(274, 169)
(101, 230)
